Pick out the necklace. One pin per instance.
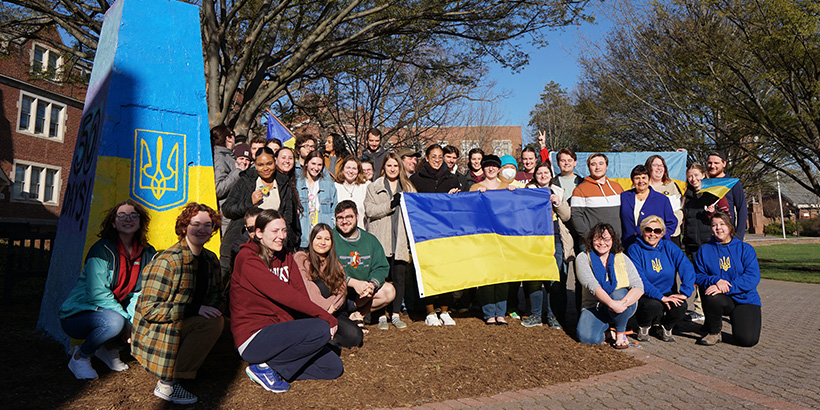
(349, 191)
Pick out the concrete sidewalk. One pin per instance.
(781, 372)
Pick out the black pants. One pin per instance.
(348, 334)
(398, 270)
(652, 311)
(745, 318)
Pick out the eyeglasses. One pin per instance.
(207, 226)
(345, 217)
(657, 231)
(128, 217)
(250, 228)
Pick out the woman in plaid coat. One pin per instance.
(178, 317)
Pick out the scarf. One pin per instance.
(129, 270)
(612, 277)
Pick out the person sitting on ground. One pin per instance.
(640, 202)
(728, 273)
(659, 261)
(178, 317)
(365, 265)
(277, 329)
(100, 307)
(612, 288)
(324, 279)
(317, 194)
(383, 208)
(351, 183)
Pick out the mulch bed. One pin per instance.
(394, 368)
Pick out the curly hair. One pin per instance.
(340, 178)
(331, 273)
(189, 212)
(597, 231)
(109, 231)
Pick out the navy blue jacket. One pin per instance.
(737, 207)
(655, 204)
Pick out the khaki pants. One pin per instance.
(199, 334)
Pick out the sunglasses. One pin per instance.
(250, 228)
(657, 231)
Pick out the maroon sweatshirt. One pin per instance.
(263, 295)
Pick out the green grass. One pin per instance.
(791, 262)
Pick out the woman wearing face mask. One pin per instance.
(351, 184)
(276, 327)
(382, 205)
(509, 168)
(555, 292)
(317, 194)
(660, 182)
(728, 273)
(659, 261)
(640, 202)
(434, 177)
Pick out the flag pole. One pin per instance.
(780, 200)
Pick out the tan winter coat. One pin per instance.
(378, 211)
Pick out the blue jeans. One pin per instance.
(493, 299)
(95, 326)
(594, 322)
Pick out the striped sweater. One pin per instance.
(592, 203)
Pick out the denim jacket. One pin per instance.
(327, 203)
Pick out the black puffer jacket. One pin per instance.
(696, 220)
(429, 180)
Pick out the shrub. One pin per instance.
(775, 229)
(810, 227)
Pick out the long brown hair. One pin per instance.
(665, 178)
(109, 231)
(406, 185)
(267, 216)
(331, 273)
(340, 166)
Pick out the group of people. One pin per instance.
(315, 243)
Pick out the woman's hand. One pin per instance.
(209, 312)
(673, 300)
(723, 285)
(482, 189)
(333, 331)
(710, 208)
(511, 188)
(362, 288)
(453, 191)
(618, 306)
(256, 197)
(556, 200)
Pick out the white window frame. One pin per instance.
(47, 121)
(466, 146)
(502, 147)
(41, 191)
(48, 53)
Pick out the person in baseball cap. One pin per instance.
(409, 159)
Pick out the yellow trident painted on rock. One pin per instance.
(656, 265)
(724, 263)
(159, 181)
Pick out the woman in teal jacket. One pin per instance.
(727, 273)
(101, 305)
(317, 194)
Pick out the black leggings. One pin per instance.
(652, 311)
(745, 318)
(398, 270)
(348, 334)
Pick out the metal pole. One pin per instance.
(780, 200)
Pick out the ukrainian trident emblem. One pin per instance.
(724, 263)
(159, 172)
(656, 265)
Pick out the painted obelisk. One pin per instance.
(144, 134)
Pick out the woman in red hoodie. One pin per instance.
(278, 330)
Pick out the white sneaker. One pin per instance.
(432, 320)
(111, 358)
(446, 319)
(81, 367)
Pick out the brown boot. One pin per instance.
(709, 340)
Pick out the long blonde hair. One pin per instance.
(406, 185)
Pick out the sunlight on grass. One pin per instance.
(790, 262)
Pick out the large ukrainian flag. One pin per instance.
(471, 239)
(621, 164)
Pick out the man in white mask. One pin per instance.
(509, 167)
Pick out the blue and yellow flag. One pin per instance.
(278, 130)
(621, 164)
(472, 239)
(718, 187)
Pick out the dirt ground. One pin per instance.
(394, 368)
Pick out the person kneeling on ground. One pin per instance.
(658, 260)
(178, 317)
(277, 329)
(727, 273)
(364, 262)
(613, 287)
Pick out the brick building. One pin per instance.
(42, 103)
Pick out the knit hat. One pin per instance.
(507, 160)
(242, 150)
(490, 160)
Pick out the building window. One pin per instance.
(46, 61)
(35, 183)
(41, 117)
(502, 147)
(467, 145)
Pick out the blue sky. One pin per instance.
(556, 62)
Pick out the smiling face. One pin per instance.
(265, 166)
(652, 233)
(602, 243)
(566, 164)
(284, 160)
(491, 172)
(274, 235)
(715, 166)
(475, 161)
(391, 169)
(528, 161)
(322, 242)
(367, 169)
(329, 144)
(597, 168)
(435, 158)
(450, 159)
(373, 141)
(694, 176)
(657, 170)
(641, 183)
(200, 229)
(410, 163)
(307, 147)
(543, 176)
(350, 171)
(314, 167)
(722, 232)
(346, 221)
(127, 220)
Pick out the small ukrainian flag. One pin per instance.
(718, 187)
(471, 239)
